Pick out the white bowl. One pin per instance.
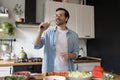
(87, 78)
(54, 78)
(80, 75)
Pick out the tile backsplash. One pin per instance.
(82, 45)
(25, 38)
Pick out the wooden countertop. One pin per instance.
(12, 63)
(88, 60)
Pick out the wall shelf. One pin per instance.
(7, 39)
(26, 25)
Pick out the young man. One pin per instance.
(60, 44)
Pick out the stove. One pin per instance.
(35, 59)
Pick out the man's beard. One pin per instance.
(58, 23)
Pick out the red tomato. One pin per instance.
(97, 72)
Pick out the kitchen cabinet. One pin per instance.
(31, 68)
(81, 17)
(85, 21)
(86, 66)
(5, 70)
(86, 63)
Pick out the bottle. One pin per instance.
(22, 54)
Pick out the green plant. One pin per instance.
(21, 77)
(7, 28)
(5, 43)
(18, 9)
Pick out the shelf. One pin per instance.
(7, 39)
(3, 15)
(26, 25)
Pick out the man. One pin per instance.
(60, 44)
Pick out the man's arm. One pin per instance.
(40, 31)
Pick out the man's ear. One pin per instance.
(66, 19)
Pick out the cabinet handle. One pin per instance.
(87, 35)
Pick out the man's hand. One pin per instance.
(43, 26)
(67, 56)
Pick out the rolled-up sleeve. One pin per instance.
(40, 45)
(73, 43)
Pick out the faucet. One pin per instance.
(82, 52)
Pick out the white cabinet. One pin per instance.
(72, 20)
(5, 70)
(85, 21)
(86, 66)
(81, 17)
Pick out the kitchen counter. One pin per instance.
(12, 63)
(87, 60)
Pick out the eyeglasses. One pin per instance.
(59, 15)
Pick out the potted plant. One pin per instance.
(5, 46)
(18, 12)
(7, 28)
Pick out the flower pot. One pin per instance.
(18, 18)
(5, 47)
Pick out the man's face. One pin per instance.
(60, 18)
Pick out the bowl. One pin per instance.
(77, 75)
(24, 73)
(54, 78)
(87, 78)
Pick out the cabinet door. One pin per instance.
(85, 21)
(31, 68)
(86, 66)
(5, 70)
(72, 23)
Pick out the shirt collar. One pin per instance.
(55, 29)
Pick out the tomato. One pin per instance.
(97, 72)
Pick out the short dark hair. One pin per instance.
(66, 12)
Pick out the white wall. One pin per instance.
(26, 36)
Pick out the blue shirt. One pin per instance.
(48, 40)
